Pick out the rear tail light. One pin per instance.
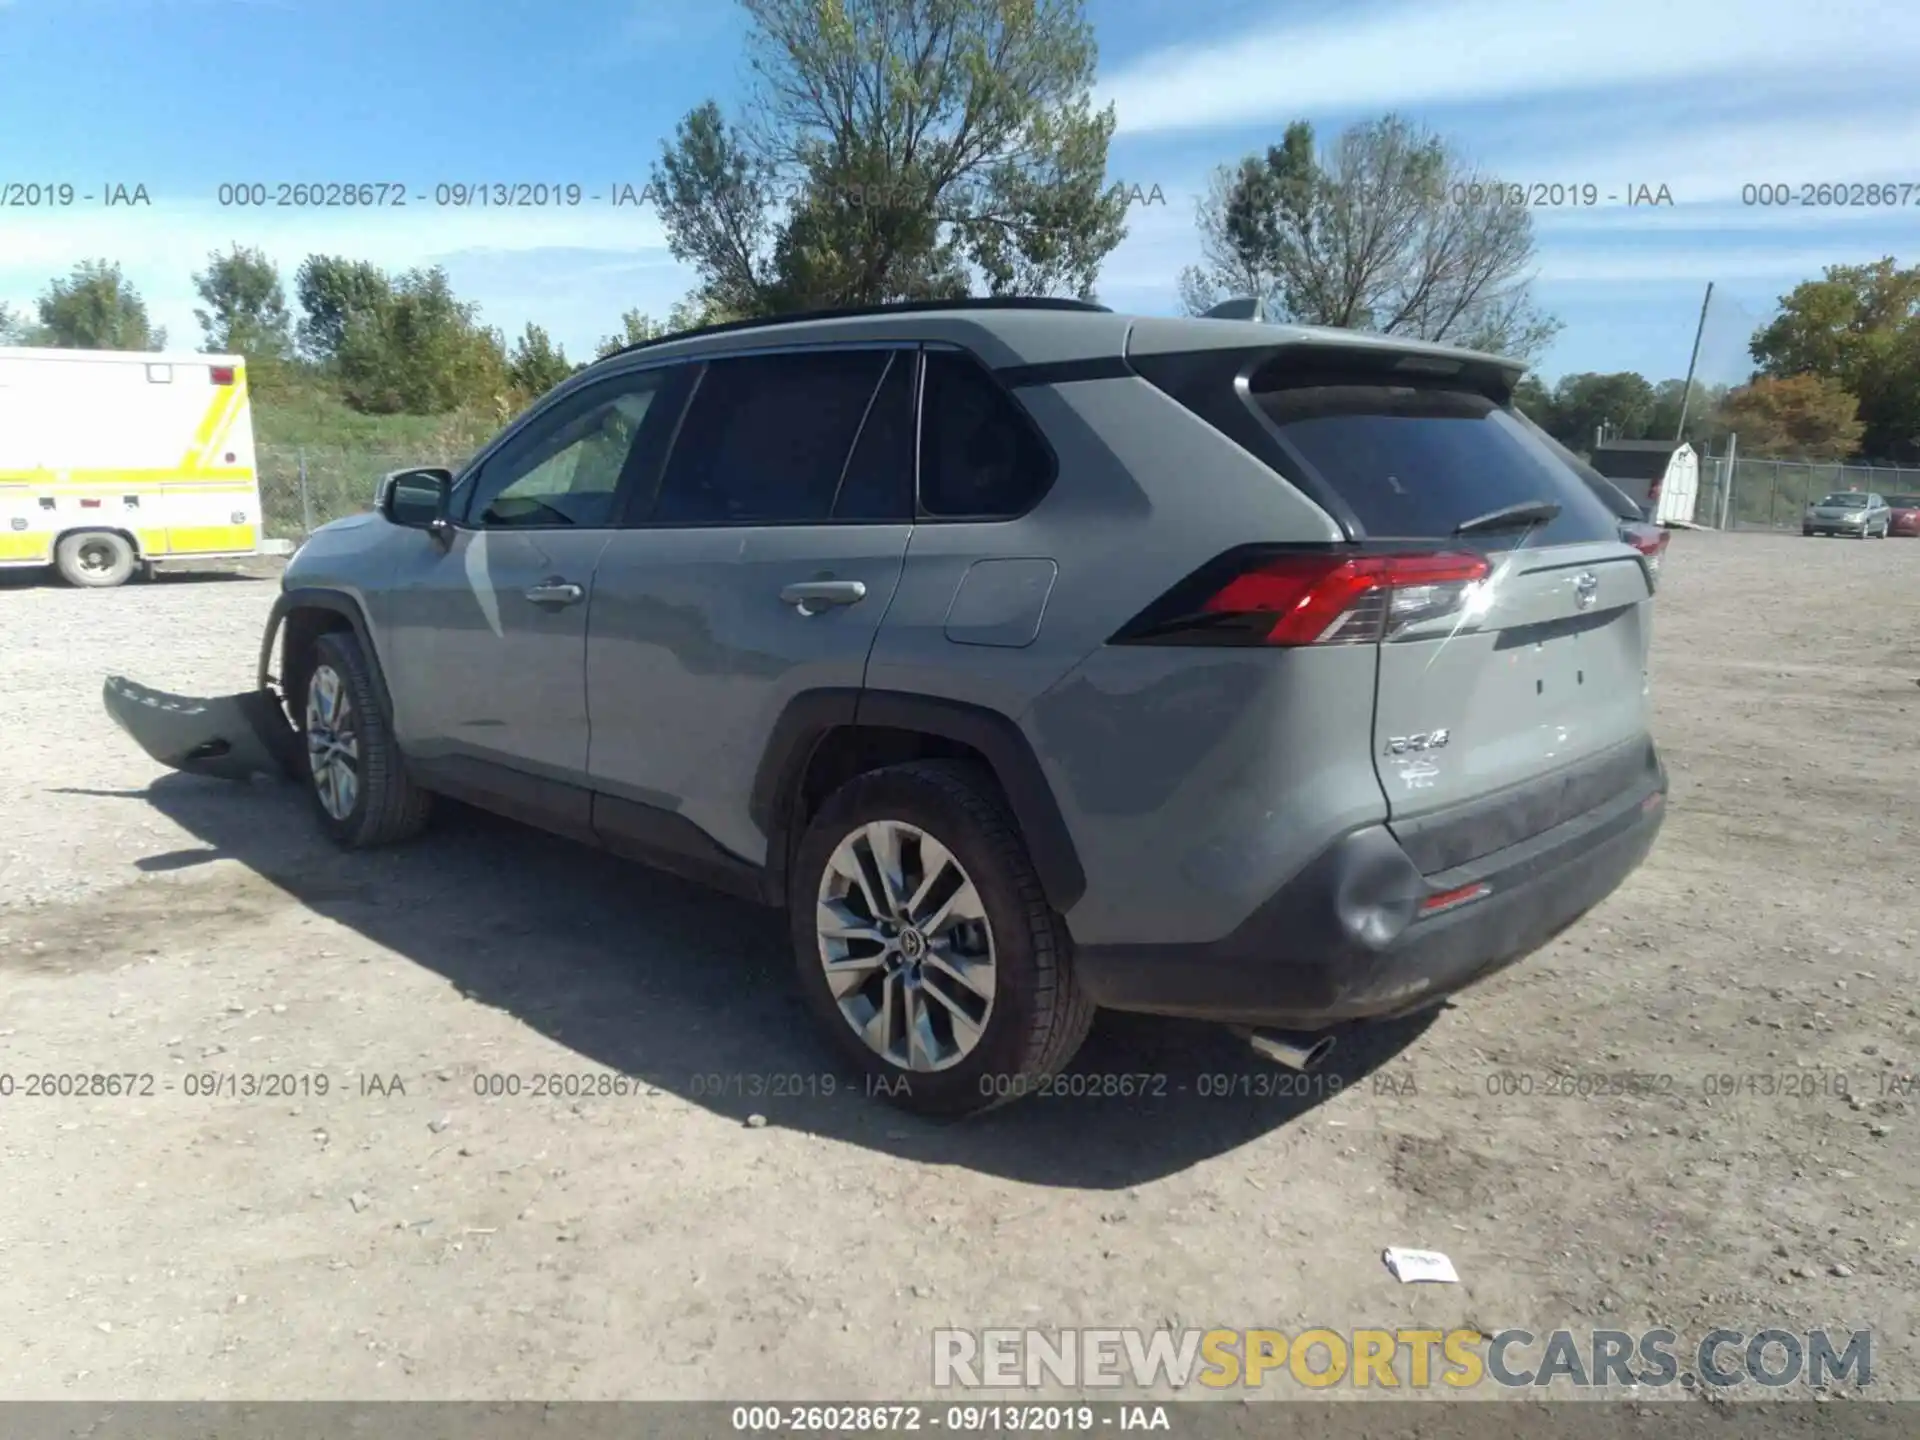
(1257, 597)
(1650, 541)
(222, 374)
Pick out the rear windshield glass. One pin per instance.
(1904, 502)
(1845, 497)
(1416, 462)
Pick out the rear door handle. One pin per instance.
(810, 597)
(556, 592)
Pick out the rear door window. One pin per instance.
(1414, 462)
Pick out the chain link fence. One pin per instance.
(302, 487)
(1773, 494)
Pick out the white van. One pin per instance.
(114, 460)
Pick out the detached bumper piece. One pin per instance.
(228, 737)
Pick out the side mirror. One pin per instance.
(417, 499)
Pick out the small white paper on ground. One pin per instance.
(1409, 1266)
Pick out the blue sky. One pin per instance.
(1703, 98)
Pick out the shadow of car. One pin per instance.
(693, 992)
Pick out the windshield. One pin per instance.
(1845, 498)
(1904, 502)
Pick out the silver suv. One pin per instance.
(1034, 658)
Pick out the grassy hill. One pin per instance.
(305, 428)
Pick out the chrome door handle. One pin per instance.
(810, 597)
(556, 592)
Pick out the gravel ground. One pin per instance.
(405, 1236)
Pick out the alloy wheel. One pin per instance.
(333, 742)
(906, 946)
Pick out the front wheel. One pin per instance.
(925, 945)
(360, 784)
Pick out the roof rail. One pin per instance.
(852, 312)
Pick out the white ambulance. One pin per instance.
(113, 460)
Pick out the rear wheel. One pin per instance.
(95, 559)
(925, 945)
(359, 778)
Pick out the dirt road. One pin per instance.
(429, 1226)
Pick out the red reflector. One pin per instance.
(89, 504)
(1652, 802)
(1447, 899)
(1306, 594)
(222, 374)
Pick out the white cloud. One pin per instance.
(1462, 51)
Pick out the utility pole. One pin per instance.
(1726, 490)
(1686, 395)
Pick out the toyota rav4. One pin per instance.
(1034, 658)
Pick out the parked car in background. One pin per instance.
(1848, 512)
(1032, 657)
(1903, 514)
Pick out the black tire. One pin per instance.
(94, 559)
(1039, 1016)
(387, 806)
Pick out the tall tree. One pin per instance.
(246, 312)
(1859, 325)
(95, 308)
(421, 351)
(537, 364)
(637, 327)
(897, 149)
(1622, 402)
(1703, 406)
(14, 329)
(1794, 417)
(332, 290)
(1383, 230)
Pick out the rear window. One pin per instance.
(1414, 462)
(1904, 502)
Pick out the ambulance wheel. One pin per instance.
(94, 559)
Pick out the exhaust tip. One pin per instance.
(1296, 1052)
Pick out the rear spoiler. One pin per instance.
(1494, 376)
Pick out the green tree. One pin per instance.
(1622, 402)
(420, 351)
(14, 329)
(637, 327)
(246, 313)
(1534, 400)
(332, 291)
(1858, 325)
(1703, 425)
(1794, 417)
(897, 149)
(537, 364)
(1382, 231)
(95, 308)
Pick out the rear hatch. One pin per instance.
(1512, 691)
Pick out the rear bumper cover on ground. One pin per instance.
(1309, 959)
(229, 737)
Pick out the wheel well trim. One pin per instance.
(812, 716)
(68, 532)
(334, 602)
